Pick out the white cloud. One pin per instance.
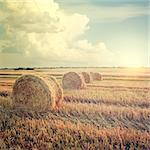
(31, 16)
(40, 31)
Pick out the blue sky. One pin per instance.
(111, 32)
(123, 33)
(101, 27)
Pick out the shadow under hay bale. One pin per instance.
(4, 93)
(32, 92)
(96, 76)
(87, 77)
(73, 80)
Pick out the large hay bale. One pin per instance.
(73, 80)
(58, 90)
(96, 76)
(87, 77)
(32, 92)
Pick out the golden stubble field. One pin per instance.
(110, 114)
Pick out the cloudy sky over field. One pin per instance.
(74, 33)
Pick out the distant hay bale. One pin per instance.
(96, 76)
(73, 80)
(87, 77)
(58, 90)
(32, 92)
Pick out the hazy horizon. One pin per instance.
(81, 33)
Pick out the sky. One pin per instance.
(74, 33)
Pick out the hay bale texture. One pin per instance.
(58, 90)
(96, 76)
(73, 80)
(32, 92)
(87, 77)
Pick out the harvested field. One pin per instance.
(108, 114)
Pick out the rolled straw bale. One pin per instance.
(87, 77)
(58, 90)
(33, 93)
(96, 76)
(73, 80)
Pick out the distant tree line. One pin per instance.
(20, 68)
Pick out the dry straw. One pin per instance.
(73, 80)
(87, 77)
(58, 90)
(32, 92)
(96, 76)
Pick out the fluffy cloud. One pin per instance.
(40, 30)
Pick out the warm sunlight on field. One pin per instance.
(113, 113)
(74, 75)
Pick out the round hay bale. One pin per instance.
(87, 77)
(73, 80)
(32, 92)
(58, 90)
(96, 76)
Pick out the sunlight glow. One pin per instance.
(131, 60)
